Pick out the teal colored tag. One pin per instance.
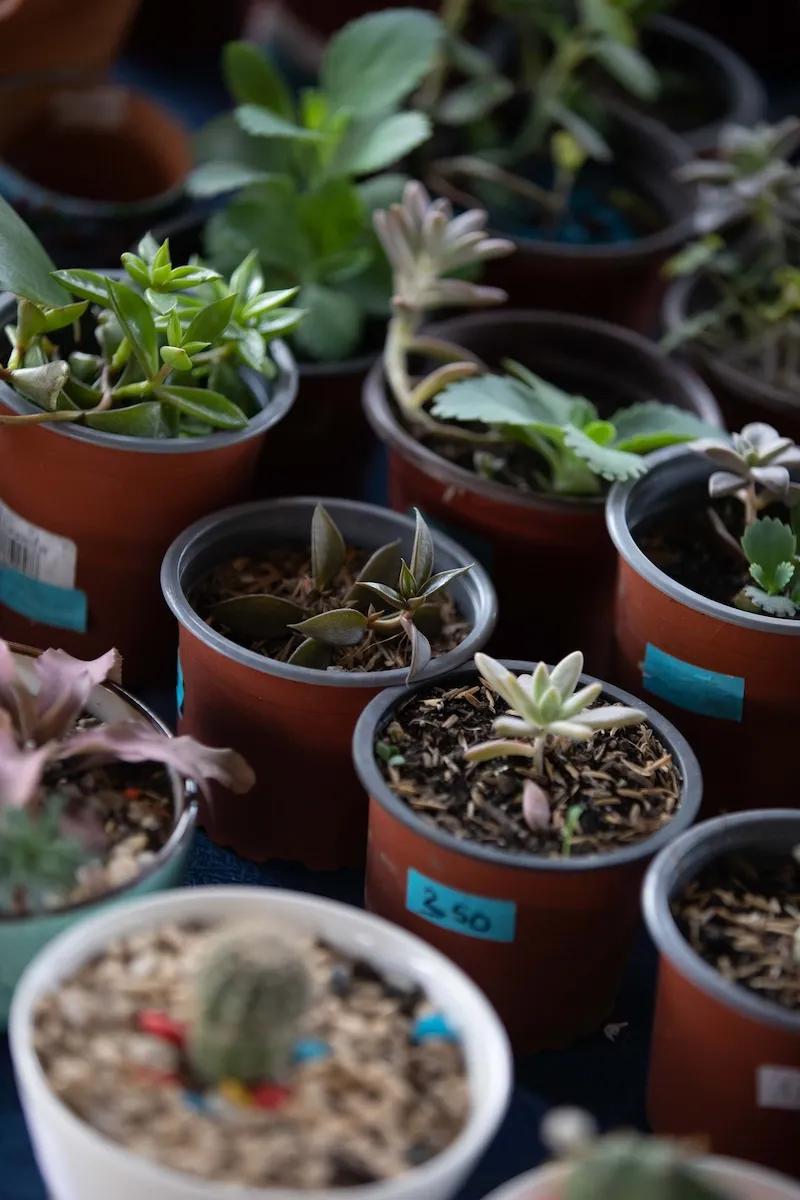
(694, 688)
(179, 689)
(65, 608)
(474, 916)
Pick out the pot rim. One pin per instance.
(275, 396)
(378, 710)
(182, 550)
(184, 795)
(710, 840)
(629, 551)
(356, 925)
(378, 408)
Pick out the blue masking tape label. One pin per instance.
(179, 689)
(461, 912)
(691, 687)
(65, 608)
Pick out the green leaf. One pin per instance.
(605, 461)
(211, 322)
(770, 547)
(137, 268)
(629, 68)
(259, 616)
(222, 140)
(88, 284)
(382, 566)
(608, 18)
(260, 122)
(384, 592)
(649, 425)
(474, 100)
(138, 420)
(694, 257)
(137, 324)
(42, 385)
(59, 318)
(214, 178)
(382, 190)
(422, 551)
(331, 329)
(265, 302)
(501, 400)
(263, 218)
(585, 134)
(252, 79)
(327, 548)
(176, 358)
(337, 627)
(441, 580)
(372, 63)
(372, 145)
(26, 269)
(204, 405)
(312, 653)
(421, 652)
(774, 606)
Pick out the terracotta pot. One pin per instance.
(87, 516)
(725, 1064)
(546, 938)
(323, 446)
(293, 724)
(21, 938)
(49, 35)
(736, 1181)
(724, 676)
(620, 282)
(742, 397)
(525, 538)
(89, 166)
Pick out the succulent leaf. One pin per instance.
(257, 616)
(336, 627)
(327, 549)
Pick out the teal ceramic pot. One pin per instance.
(21, 938)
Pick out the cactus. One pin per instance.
(250, 993)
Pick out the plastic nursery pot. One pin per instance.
(534, 543)
(46, 35)
(89, 165)
(77, 1161)
(323, 445)
(725, 1063)
(727, 678)
(751, 28)
(293, 724)
(21, 937)
(736, 1180)
(742, 397)
(622, 281)
(546, 938)
(86, 517)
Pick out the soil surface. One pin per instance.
(742, 915)
(612, 791)
(379, 1095)
(286, 572)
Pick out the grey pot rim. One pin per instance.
(628, 550)
(662, 876)
(378, 409)
(184, 794)
(276, 397)
(181, 552)
(378, 710)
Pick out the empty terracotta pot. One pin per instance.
(293, 724)
(546, 938)
(86, 518)
(533, 543)
(725, 1063)
(726, 677)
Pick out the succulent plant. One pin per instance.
(545, 705)
(754, 467)
(249, 996)
(771, 549)
(404, 591)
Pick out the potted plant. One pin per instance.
(130, 404)
(722, 906)
(635, 1167)
(96, 797)
(516, 464)
(307, 174)
(350, 1121)
(706, 610)
(264, 660)
(521, 855)
(732, 307)
(584, 185)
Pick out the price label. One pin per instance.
(778, 1087)
(462, 912)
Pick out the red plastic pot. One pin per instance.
(293, 724)
(725, 1063)
(87, 517)
(533, 544)
(546, 938)
(728, 679)
(742, 397)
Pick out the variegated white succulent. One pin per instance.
(545, 705)
(756, 458)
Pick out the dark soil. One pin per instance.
(615, 790)
(286, 572)
(742, 915)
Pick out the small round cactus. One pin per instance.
(250, 993)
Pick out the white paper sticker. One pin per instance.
(36, 552)
(778, 1087)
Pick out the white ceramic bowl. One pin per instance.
(78, 1163)
(739, 1180)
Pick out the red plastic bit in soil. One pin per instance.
(157, 1078)
(269, 1095)
(161, 1025)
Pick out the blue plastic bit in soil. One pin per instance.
(434, 1025)
(196, 1101)
(310, 1050)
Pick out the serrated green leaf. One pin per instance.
(260, 122)
(373, 62)
(327, 548)
(204, 405)
(372, 145)
(137, 420)
(26, 269)
(88, 284)
(337, 627)
(259, 616)
(610, 464)
(649, 425)
(137, 323)
(252, 79)
(774, 606)
(770, 546)
(212, 320)
(501, 400)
